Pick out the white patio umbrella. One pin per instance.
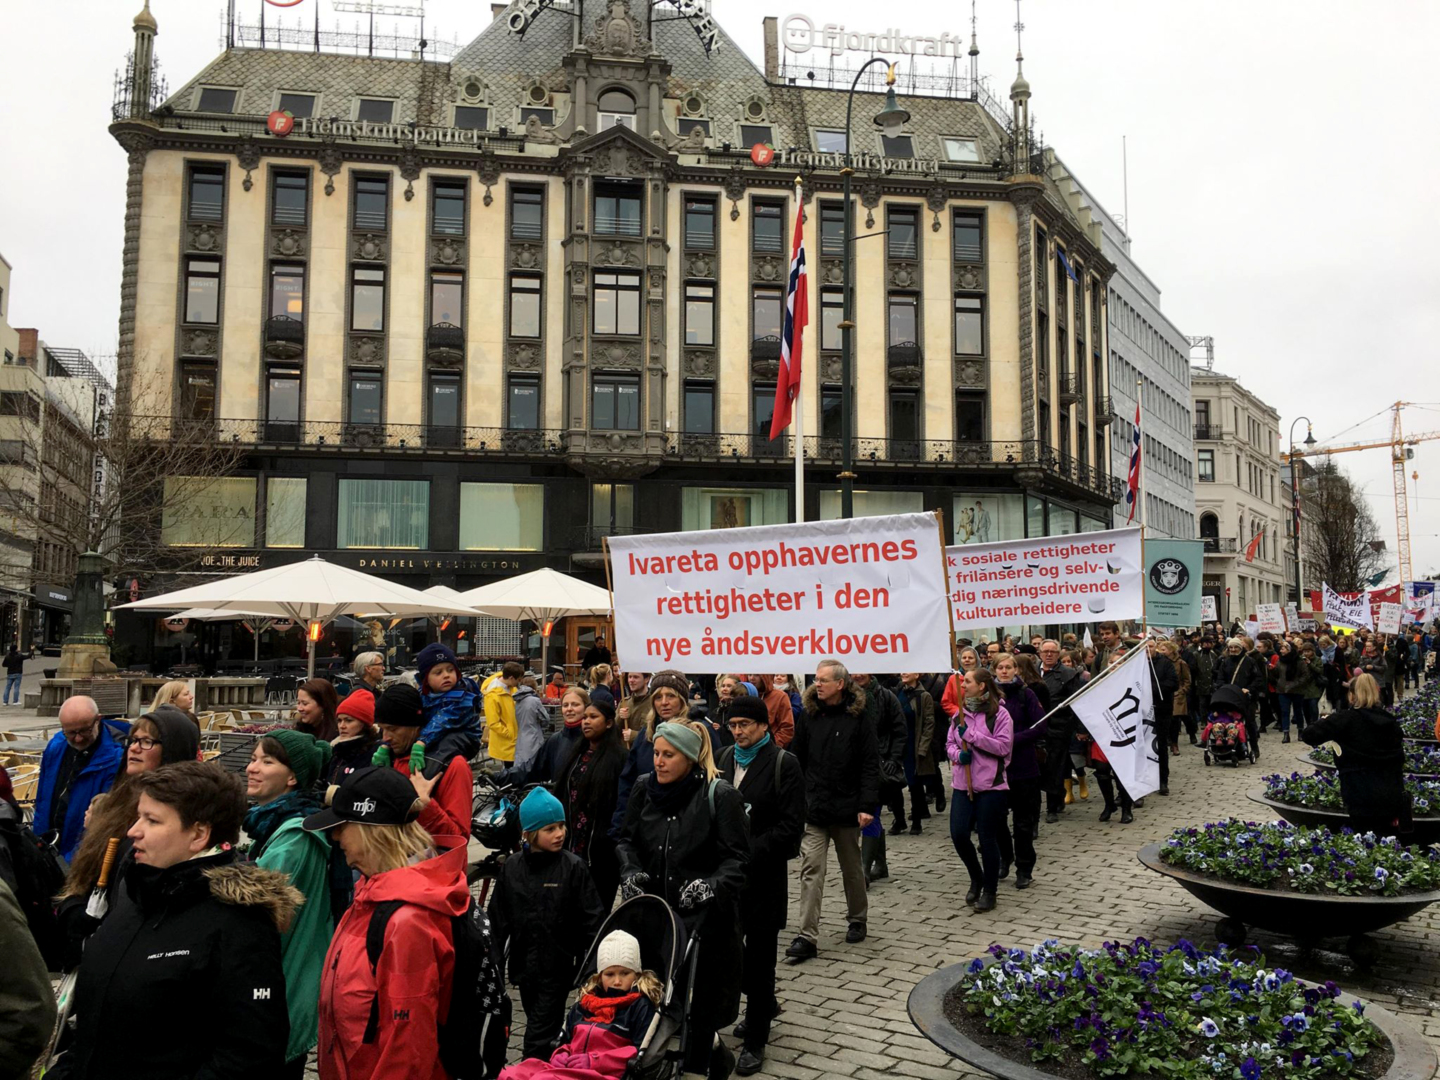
(254, 621)
(312, 592)
(541, 596)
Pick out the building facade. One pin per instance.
(1238, 495)
(471, 317)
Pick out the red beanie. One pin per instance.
(359, 705)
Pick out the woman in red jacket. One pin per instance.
(374, 818)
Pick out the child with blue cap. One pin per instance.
(545, 905)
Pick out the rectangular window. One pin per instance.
(449, 209)
(617, 210)
(526, 215)
(376, 110)
(282, 397)
(19, 403)
(750, 134)
(765, 306)
(502, 517)
(524, 306)
(832, 228)
(1082, 443)
(901, 146)
(365, 389)
(391, 514)
(983, 517)
(207, 193)
(731, 508)
(215, 100)
(699, 314)
(968, 238)
(300, 106)
(762, 409)
(960, 149)
(607, 120)
(904, 416)
(901, 226)
(203, 511)
(970, 417)
(828, 141)
(903, 322)
(472, 117)
(617, 303)
(447, 298)
(1044, 423)
(699, 408)
(872, 503)
(832, 311)
(700, 224)
(367, 298)
(372, 203)
(288, 201)
(285, 512)
(444, 404)
(1205, 465)
(612, 508)
(202, 291)
(197, 391)
(970, 325)
(545, 116)
(615, 403)
(523, 411)
(287, 291)
(685, 125)
(767, 226)
(832, 403)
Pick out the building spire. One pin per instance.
(142, 62)
(974, 52)
(1020, 102)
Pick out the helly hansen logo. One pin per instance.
(262, 993)
(366, 807)
(400, 1014)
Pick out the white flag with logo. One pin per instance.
(1118, 711)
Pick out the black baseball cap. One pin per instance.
(368, 796)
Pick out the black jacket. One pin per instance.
(14, 663)
(1202, 671)
(1060, 683)
(594, 799)
(838, 751)
(1371, 762)
(1245, 672)
(883, 710)
(547, 763)
(773, 789)
(196, 949)
(546, 907)
(1165, 680)
(347, 755)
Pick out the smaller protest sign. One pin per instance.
(1389, 621)
(1208, 610)
(1270, 618)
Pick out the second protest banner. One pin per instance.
(1081, 577)
(869, 592)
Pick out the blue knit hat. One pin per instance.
(539, 809)
(429, 656)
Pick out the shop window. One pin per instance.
(393, 514)
(285, 512)
(203, 511)
(502, 517)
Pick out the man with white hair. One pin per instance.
(79, 763)
(370, 672)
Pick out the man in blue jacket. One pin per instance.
(80, 763)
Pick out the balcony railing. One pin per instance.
(904, 356)
(338, 437)
(1220, 545)
(1071, 390)
(284, 337)
(1104, 410)
(1208, 431)
(445, 343)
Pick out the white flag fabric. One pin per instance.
(1118, 710)
(1089, 641)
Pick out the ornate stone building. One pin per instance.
(473, 316)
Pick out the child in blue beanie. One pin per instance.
(451, 710)
(546, 906)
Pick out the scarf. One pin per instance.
(600, 1008)
(744, 755)
(262, 821)
(669, 798)
(975, 704)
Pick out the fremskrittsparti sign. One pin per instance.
(798, 34)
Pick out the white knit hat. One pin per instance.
(618, 949)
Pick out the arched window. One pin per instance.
(1210, 531)
(616, 108)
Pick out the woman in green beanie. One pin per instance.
(281, 778)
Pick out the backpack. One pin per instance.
(35, 871)
(468, 1051)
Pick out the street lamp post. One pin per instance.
(1295, 498)
(890, 119)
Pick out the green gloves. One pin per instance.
(381, 757)
(417, 758)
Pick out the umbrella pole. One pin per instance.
(310, 651)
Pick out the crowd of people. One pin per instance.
(320, 904)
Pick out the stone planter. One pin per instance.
(1427, 829)
(1323, 766)
(1414, 1057)
(1307, 916)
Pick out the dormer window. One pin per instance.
(376, 110)
(900, 146)
(687, 124)
(214, 99)
(545, 116)
(472, 117)
(299, 106)
(958, 149)
(616, 109)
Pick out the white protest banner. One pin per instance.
(1118, 710)
(1345, 611)
(1081, 577)
(1292, 614)
(1252, 627)
(869, 592)
(1389, 621)
(1209, 612)
(1419, 600)
(1270, 618)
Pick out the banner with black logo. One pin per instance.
(1173, 574)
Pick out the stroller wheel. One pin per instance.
(1207, 757)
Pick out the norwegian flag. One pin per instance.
(797, 315)
(1132, 486)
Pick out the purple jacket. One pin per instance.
(1027, 716)
(990, 743)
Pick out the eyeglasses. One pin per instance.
(144, 742)
(740, 725)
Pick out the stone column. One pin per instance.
(87, 642)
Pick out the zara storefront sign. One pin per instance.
(799, 34)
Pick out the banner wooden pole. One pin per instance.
(949, 606)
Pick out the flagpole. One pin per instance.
(799, 403)
(1140, 507)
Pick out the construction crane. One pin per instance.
(1401, 450)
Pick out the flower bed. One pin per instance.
(1321, 791)
(1181, 1013)
(1278, 855)
(1421, 759)
(1419, 729)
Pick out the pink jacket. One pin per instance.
(990, 746)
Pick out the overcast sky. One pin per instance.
(1282, 166)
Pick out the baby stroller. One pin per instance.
(1227, 740)
(667, 949)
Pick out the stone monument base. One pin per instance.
(84, 661)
